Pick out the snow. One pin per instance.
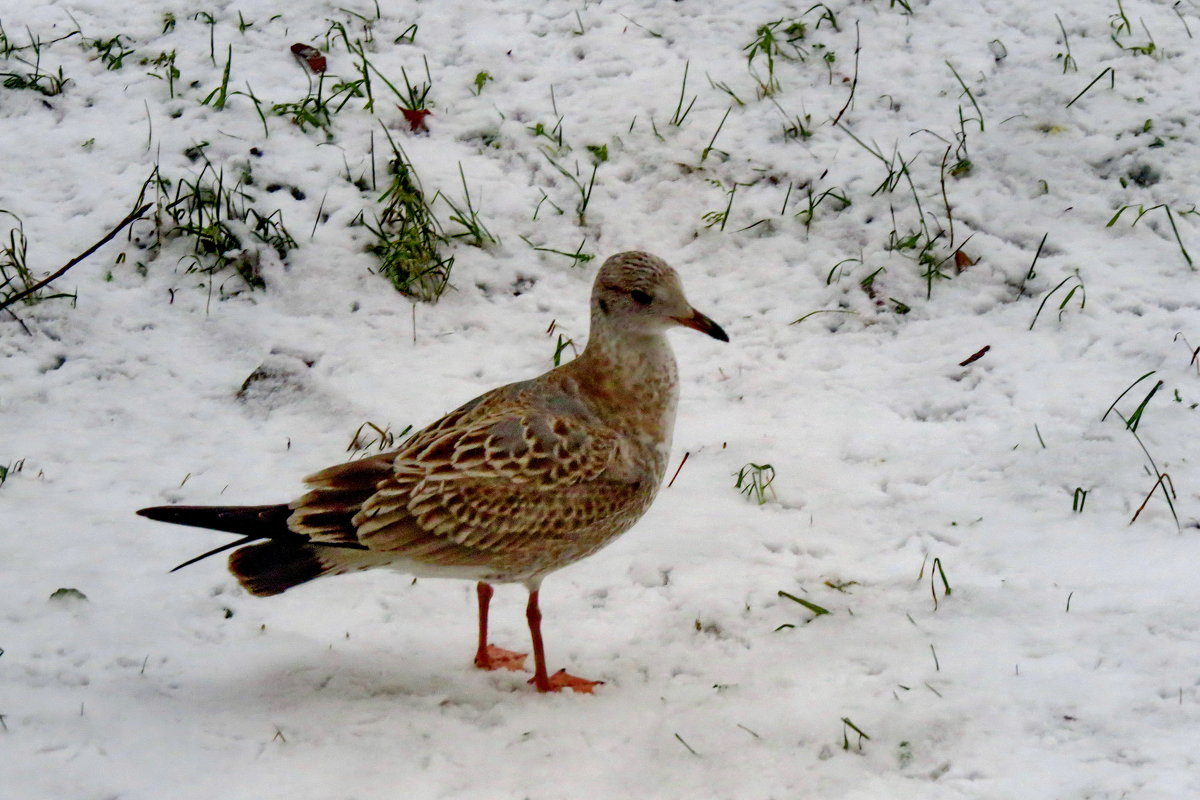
(1062, 664)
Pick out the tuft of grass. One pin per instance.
(68, 594)
(828, 58)
(970, 96)
(868, 282)
(211, 21)
(924, 241)
(577, 257)
(408, 235)
(895, 166)
(408, 36)
(8, 46)
(8, 470)
(837, 272)
(681, 113)
(474, 231)
(1143, 211)
(935, 571)
(1031, 273)
(545, 198)
(482, 78)
(368, 22)
(794, 125)
(1119, 26)
(310, 111)
(318, 107)
(710, 148)
(133, 216)
(826, 15)
(770, 43)
(847, 726)
(1068, 60)
(754, 481)
(218, 96)
(1112, 82)
(1062, 306)
(15, 277)
(813, 200)
(164, 69)
(813, 607)
(45, 83)
(561, 346)
(584, 190)
(1136, 417)
(361, 86)
(803, 317)
(553, 135)
(415, 96)
(29, 74)
(718, 219)
(220, 223)
(1162, 480)
(111, 52)
(370, 436)
(724, 87)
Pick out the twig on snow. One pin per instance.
(132, 217)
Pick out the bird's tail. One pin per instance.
(261, 522)
(284, 560)
(275, 566)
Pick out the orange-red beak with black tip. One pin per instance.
(699, 322)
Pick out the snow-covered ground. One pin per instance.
(1064, 663)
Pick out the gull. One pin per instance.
(519, 482)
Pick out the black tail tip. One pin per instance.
(199, 516)
(269, 521)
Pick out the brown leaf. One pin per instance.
(975, 356)
(310, 55)
(416, 119)
(962, 260)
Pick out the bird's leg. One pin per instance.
(484, 591)
(534, 615)
(487, 656)
(561, 679)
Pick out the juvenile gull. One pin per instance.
(521, 481)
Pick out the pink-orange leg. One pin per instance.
(486, 655)
(561, 679)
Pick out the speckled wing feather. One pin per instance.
(337, 493)
(511, 479)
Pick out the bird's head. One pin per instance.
(640, 293)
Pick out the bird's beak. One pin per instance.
(699, 322)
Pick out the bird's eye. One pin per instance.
(640, 297)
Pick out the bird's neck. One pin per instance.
(632, 378)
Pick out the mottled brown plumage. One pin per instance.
(519, 482)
